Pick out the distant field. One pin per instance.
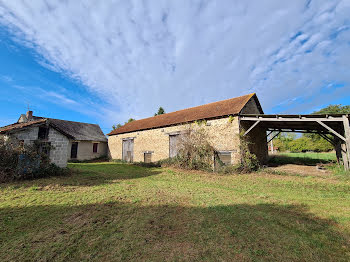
(324, 156)
(309, 158)
(121, 212)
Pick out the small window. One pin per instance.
(95, 147)
(148, 157)
(225, 157)
(43, 132)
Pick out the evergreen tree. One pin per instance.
(161, 111)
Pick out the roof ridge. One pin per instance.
(231, 106)
(49, 118)
(162, 115)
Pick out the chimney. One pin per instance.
(29, 115)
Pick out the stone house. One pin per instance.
(155, 138)
(62, 140)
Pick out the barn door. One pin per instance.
(128, 150)
(173, 141)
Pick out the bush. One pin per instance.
(194, 151)
(249, 161)
(18, 162)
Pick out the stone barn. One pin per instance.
(155, 138)
(63, 140)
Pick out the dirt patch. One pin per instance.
(302, 170)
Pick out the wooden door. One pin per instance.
(173, 148)
(128, 150)
(74, 150)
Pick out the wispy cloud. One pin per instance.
(138, 55)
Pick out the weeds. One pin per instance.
(19, 161)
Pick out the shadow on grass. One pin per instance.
(278, 160)
(123, 231)
(90, 174)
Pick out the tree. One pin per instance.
(130, 120)
(114, 127)
(161, 111)
(334, 109)
(320, 144)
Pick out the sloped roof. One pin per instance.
(15, 126)
(78, 130)
(74, 130)
(227, 107)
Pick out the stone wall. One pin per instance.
(27, 135)
(257, 141)
(59, 152)
(223, 134)
(85, 150)
(59, 143)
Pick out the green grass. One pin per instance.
(309, 158)
(329, 156)
(120, 212)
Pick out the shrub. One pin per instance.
(249, 161)
(19, 161)
(194, 151)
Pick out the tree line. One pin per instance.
(309, 142)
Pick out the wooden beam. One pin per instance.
(331, 130)
(298, 131)
(273, 137)
(270, 132)
(250, 128)
(287, 119)
(327, 138)
(347, 140)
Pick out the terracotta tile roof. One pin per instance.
(20, 125)
(231, 106)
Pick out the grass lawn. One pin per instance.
(308, 158)
(115, 212)
(329, 156)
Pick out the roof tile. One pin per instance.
(231, 106)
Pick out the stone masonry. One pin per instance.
(59, 151)
(222, 133)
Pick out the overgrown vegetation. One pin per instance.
(249, 161)
(118, 212)
(308, 142)
(194, 151)
(19, 161)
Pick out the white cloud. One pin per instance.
(139, 55)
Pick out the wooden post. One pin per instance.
(344, 156)
(347, 141)
(337, 147)
(272, 149)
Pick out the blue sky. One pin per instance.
(106, 61)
